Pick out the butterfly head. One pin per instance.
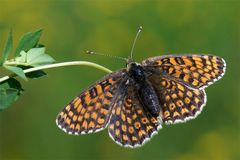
(135, 71)
(130, 64)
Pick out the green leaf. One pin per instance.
(28, 41)
(36, 74)
(7, 49)
(17, 70)
(40, 46)
(42, 60)
(22, 58)
(8, 96)
(34, 53)
(37, 57)
(34, 57)
(12, 83)
(10, 90)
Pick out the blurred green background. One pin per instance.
(27, 128)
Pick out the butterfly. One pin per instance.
(134, 102)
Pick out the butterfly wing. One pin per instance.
(91, 110)
(130, 125)
(196, 71)
(179, 102)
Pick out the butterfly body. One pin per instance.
(134, 102)
(144, 89)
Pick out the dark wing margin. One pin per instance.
(90, 111)
(130, 125)
(196, 71)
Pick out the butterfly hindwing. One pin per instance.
(130, 124)
(196, 71)
(178, 101)
(90, 111)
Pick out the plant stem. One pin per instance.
(62, 64)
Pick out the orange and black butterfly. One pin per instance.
(134, 102)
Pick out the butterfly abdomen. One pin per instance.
(145, 91)
(148, 98)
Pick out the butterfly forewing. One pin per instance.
(130, 124)
(90, 111)
(196, 71)
(178, 101)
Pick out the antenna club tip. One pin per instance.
(140, 27)
(89, 52)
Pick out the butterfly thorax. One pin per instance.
(136, 72)
(144, 89)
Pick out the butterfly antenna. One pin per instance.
(134, 42)
(107, 55)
